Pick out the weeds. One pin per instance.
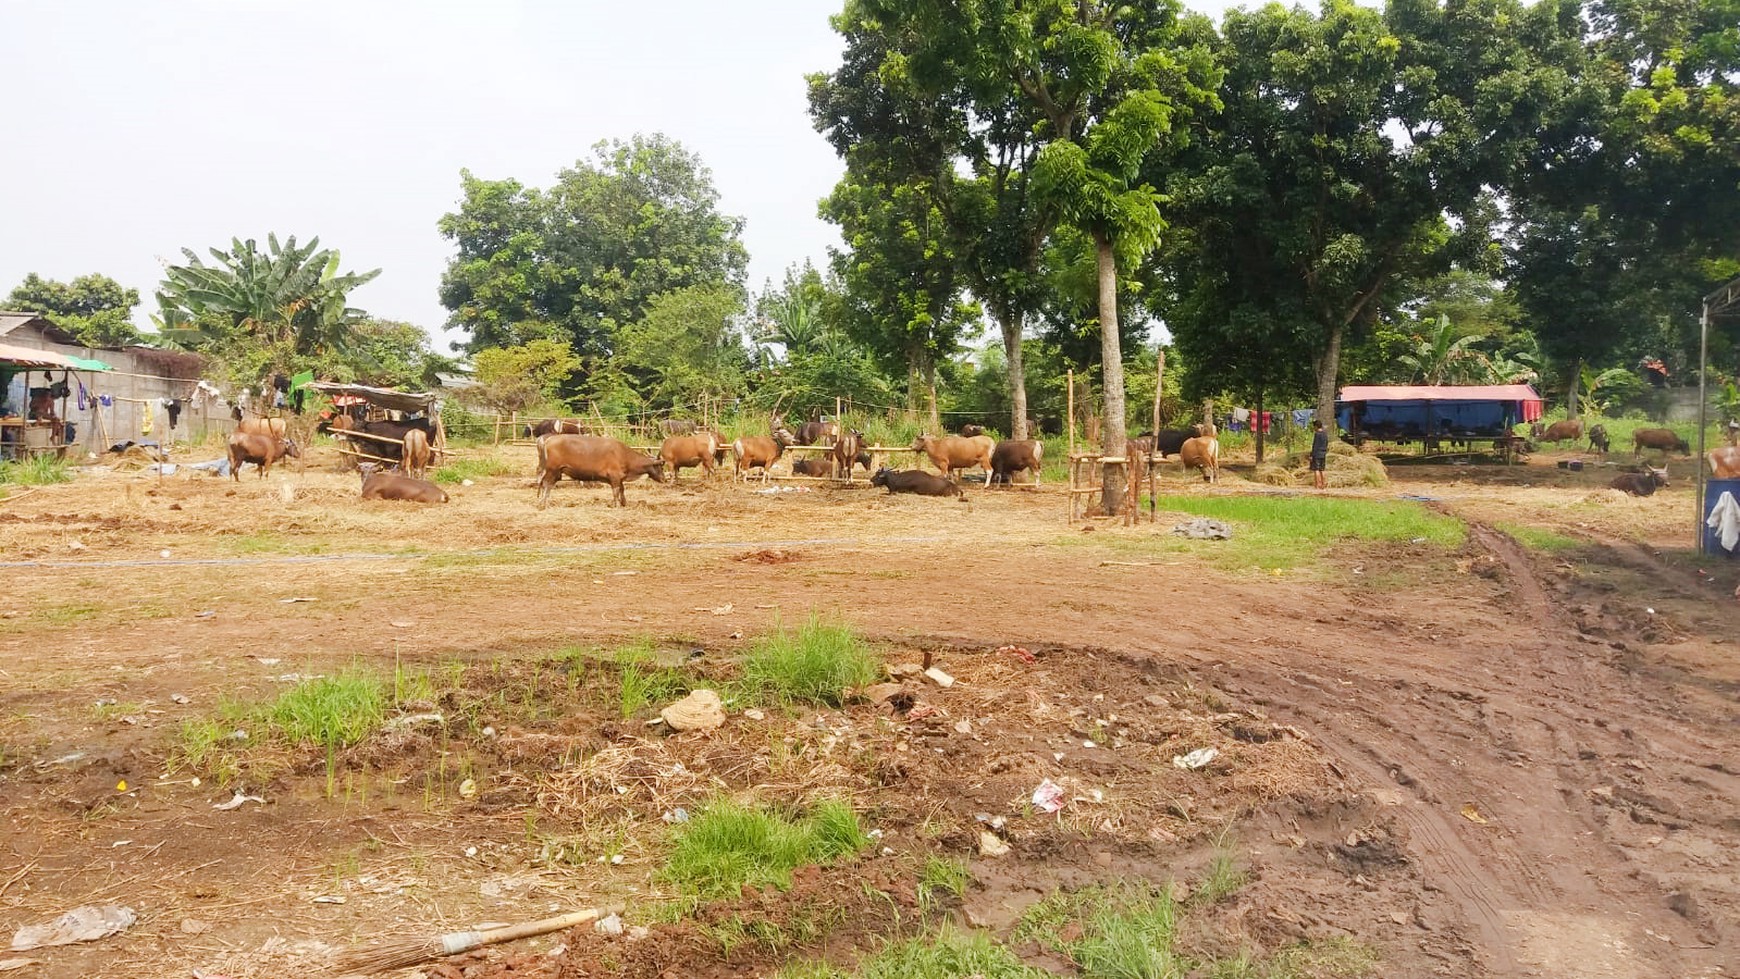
(728, 846)
(948, 955)
(332, 712)
(816, 664)
(941, 877)
(1273, 532)
(1223, 879)
(1132, 936)
(643, 682)
(1539, 538)
(38, 470)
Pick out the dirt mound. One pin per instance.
(769, 555)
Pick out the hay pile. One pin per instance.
(1347, 467)
(134, 458)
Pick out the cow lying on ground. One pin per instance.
(1640, 484)
(1012, 456)
(916, 481)
(592, 459)
(261, 450)
(1202, 453)
(679, 452)
(953, 452)
(381, 485)
(812, 467)
(760, 451)
(1662, 439)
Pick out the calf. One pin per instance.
(1203, 453)
(416, 455)
(679, 452)
(812, 467)
(1662, 439)
(378, 485)
(848, 447)
(1598, 440)
(759, 451)
(916, 481)
(592, 459)
(1640, 484)
(262, 450)
(1012, 456)
(1569, 430)
(951, 452)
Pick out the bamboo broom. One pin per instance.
(409, 952)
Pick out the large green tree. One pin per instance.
(94, 308)
(804, 358)
(579, 261)
(1107, 82)
(688, 347)
(1355, 155)
(1629, 209)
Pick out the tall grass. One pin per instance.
(37, 470)
(816, 664)
(643, 682)
(332, 712)
(728, 846)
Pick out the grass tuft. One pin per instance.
(1131, 937)
(332, 712)
(816, 664)
(948, 955)
(460, 470)
(643, 682)
(1539, 538)
(1271, 532)
(1223, 879)
(941, 878)
(38, 470)
(727, 847)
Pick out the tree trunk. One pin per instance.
(1328, 368)
(1113, 437)
(1011, 325)
(1258, 422)
(930, 393)
(1572, 389)
(914, 382)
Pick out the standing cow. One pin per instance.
(1664, 440)
(592, 459)
(679, 452)
(261, 450)
(951, 453)
(415, 459)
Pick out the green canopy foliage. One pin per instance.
(93, 308)
(529, 376)
(579, 261)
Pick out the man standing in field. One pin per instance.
(1319, 454)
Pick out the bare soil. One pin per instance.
(1497, 762)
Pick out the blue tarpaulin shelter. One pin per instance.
(1406, 413)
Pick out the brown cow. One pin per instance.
(1203, 453)
(1724, 461)
(969, 430)
(261, 450)
(953, 452)
(916, 481)
(1016, 455)
(682, 451)
(1663, 439)
(1570, 430)
(813, 431)
(812, 467)
(415, 459)
(378, 485)
(847, 448)
(1640, 484)
(592, 459)
(276, 428)
(555, 426)
(759, 451)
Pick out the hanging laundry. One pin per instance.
(1302, 416)
(236, 412)
(84, 398)
(1241, 415)
(106, 400)
(174, 409)
(144, 419)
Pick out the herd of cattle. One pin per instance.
(565, 450)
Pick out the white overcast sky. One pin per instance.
(134, 129)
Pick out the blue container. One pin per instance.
(1713, 490)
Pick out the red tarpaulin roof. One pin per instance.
(1531, 402)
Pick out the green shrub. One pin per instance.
(37, 470)
(816, 664)
(726, 847)
(332, 712)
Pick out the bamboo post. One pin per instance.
(1153, 449)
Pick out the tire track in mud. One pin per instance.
(1516, 732)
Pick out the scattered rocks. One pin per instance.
(991, 845)
(938, 677)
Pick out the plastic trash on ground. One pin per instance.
(1048, 797)
(82, 924)
(1200, 758)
